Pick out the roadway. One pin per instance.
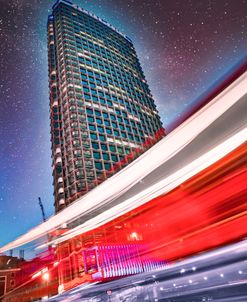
(219, 276)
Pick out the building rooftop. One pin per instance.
(9, 262)
(69, 3)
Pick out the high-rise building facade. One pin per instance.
(101, 108)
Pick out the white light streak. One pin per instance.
(160, 188)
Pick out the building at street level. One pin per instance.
(101, 108)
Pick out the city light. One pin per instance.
(134, 236)
(46, 276)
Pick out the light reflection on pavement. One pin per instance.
(216, 276)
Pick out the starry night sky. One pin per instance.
(184, 46)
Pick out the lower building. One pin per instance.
(9, 268)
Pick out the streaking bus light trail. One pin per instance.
(164, 186)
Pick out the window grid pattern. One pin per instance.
(101, 106)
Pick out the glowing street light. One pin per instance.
(46, 276)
